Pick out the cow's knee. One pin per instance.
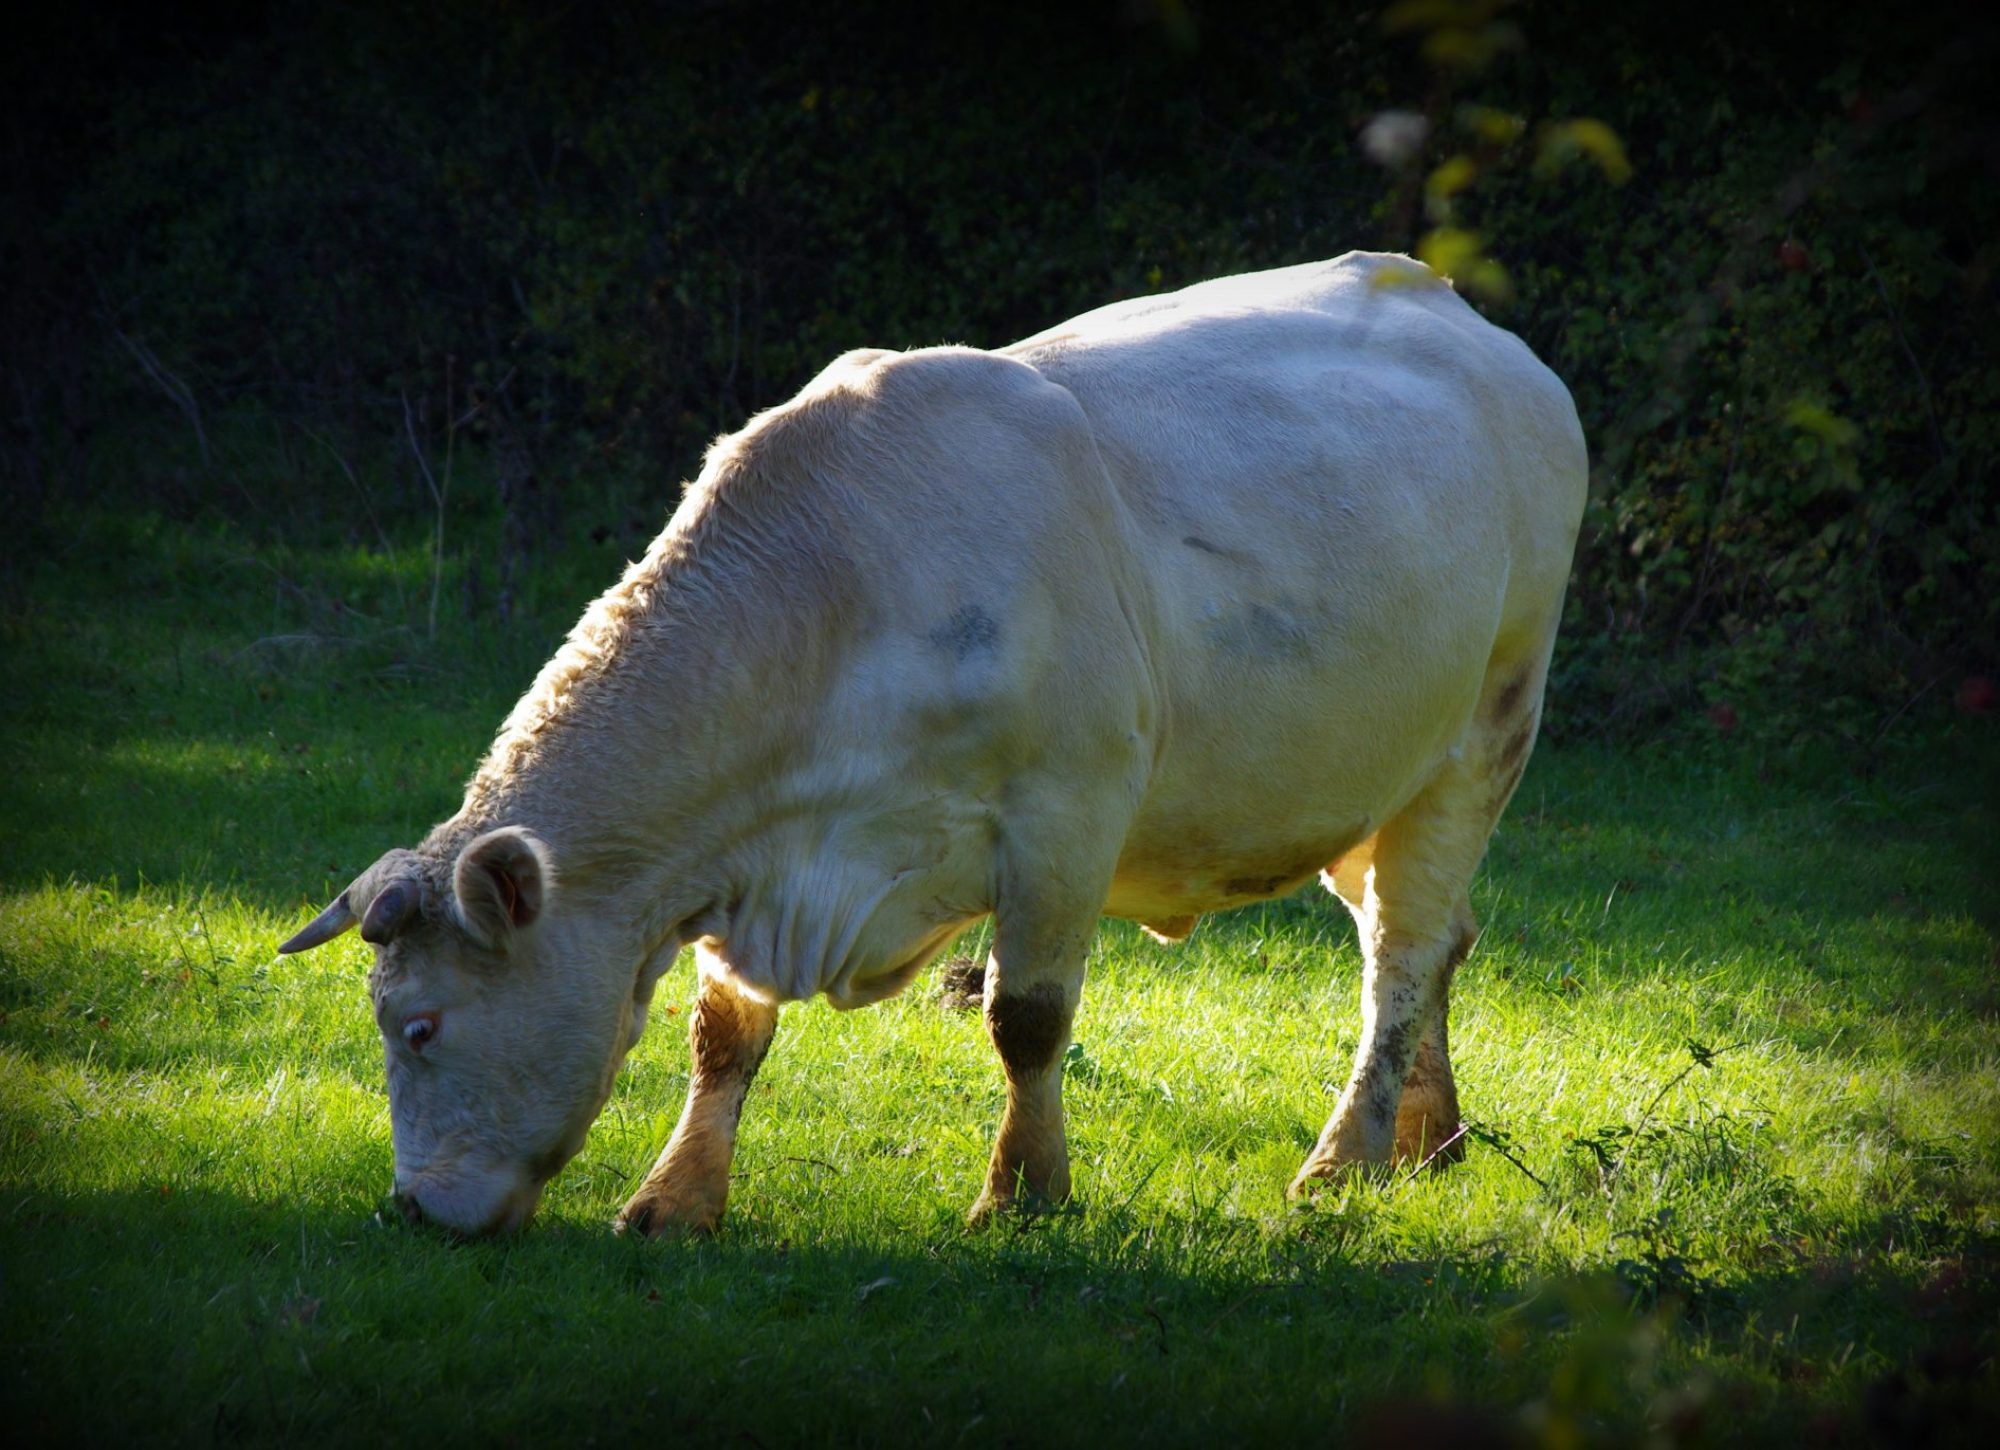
(1029, 1028)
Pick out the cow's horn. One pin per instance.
(388, 911)
(329, 924)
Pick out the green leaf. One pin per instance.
(1829, 427)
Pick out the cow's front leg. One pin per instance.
(728, 1037)
(1033, 982)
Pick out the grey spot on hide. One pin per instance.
(1508, 700)
(969, 631)
(1262, 632)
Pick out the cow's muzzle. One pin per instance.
(480, 1208)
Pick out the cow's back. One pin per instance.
(1348, 494)
(1343, 398)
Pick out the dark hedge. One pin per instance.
(592, 236)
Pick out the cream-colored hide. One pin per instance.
(1168, 609)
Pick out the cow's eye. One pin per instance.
(420, 1029)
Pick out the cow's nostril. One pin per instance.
(407, 1205)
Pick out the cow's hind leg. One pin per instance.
(728, 1036)
(1427, 1120)
(1407, 888)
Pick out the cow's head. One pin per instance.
(503, 1020)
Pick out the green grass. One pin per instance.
(1730, 1041)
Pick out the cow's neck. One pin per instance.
(640, 749)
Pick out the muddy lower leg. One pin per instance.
(1406, 887)
(1427, 1117)
(1427, 1120)
(689, 1185)
(1042, 927)
(1030, 1029)
(1416, 926)
(1402, 994)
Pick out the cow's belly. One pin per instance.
(1253, 835)
(1195, 874)
(1273, 767)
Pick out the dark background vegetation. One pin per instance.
(483, 278)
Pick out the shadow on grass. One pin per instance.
(209, 1315)
(217, 714)
(273, 825)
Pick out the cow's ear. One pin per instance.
(502, 882)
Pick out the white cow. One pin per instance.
(1166, 610)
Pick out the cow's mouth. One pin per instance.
(484, 1204)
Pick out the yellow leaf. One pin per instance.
(1413, 275)
(1494, 127)
(1449, 251)
(1461, 256)
(1588, 137)
(1450, 178)
(1429, 14)
(1490, 280)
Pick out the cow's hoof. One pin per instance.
(656, 1216)
(1431, 1150)
(1321, 1175)
(992, 1206)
